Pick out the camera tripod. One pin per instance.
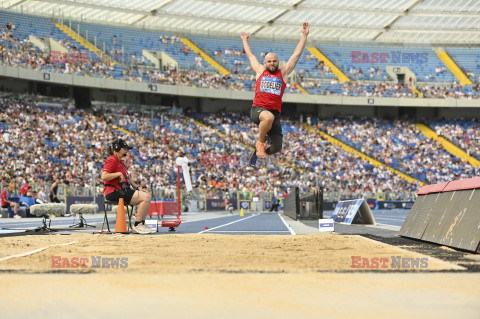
(82, 222)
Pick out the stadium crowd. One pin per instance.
(38, 143)
(42, 144)
(22, 53)
(46, 144)
(465, 134)
(308, 159)
(75, 140)
(400, 144)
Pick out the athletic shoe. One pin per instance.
(140, 229)
(149, 229)
(17, 216)
(260, 150)
(253, 159)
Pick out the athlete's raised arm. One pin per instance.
(256, 66)
(288, 67)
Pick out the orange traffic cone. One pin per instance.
(121, 224)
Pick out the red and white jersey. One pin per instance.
(4, 198)
(269, 90)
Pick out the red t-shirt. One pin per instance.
(114, 165)
(4, 198)
(24, 189)
(269, 90)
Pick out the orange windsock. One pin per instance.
(121, 224)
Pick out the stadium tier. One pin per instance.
(229, 52)
(369, 63)
(219, 150)
(464, 134)
(123, 43)
(405, 150)
(365, 65)
(27, 25)
(402, 146)
(62, 133)
(468, 59)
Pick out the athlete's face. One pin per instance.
(271, 62)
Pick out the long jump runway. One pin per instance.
(199, 223)
(258, 223)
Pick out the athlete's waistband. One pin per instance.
(266, 108)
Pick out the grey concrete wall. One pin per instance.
(214, 100)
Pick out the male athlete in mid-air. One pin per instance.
(267, 104)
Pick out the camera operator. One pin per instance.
(118, 185)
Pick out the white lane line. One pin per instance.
(236, 221)
(208, 218)
(288, 226)
(8, 231)
(386, 218)
(35, 251)
(392, 227)
(250, 231)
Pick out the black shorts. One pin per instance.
(276, 126)
(54, 199)
(126, 194)
(7, 205)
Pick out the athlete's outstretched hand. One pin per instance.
(244, 36)
(305, 28)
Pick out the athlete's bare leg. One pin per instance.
(266, 121)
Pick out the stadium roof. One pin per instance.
(400, 21)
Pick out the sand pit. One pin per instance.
(224, 276)
(212, 253)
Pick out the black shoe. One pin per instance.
(253, 159)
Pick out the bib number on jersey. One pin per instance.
(271, 85)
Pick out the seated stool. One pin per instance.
(128, 210)
(4, 212)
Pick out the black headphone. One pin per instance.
(116, 146)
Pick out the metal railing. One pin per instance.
(162, 193)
